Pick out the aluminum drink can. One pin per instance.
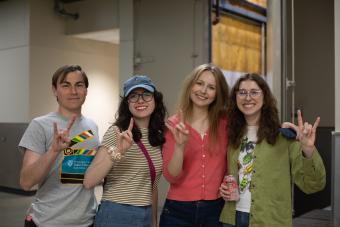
(231, 182)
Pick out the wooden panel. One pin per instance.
(236, 45)
(262, 3)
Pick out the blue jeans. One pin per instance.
(112, 214)
(203, 213)
(241, 220)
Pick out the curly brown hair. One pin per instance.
(269, 120)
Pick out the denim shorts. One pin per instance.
(202, 213)
(241, 220)
(111, 214)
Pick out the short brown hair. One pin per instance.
(62, 72)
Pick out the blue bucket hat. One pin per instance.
(138, 81)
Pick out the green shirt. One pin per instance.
(274, 167)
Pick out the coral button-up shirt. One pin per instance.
(203, 168)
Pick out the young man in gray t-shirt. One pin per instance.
(58, 148)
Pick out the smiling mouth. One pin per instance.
(248, 105)
(201, 97)
(141, 107)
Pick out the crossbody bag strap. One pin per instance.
(150, 163)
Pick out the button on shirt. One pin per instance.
(203, 167)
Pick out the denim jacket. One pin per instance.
(274, 168)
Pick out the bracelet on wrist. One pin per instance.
(115, 155)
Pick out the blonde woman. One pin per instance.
(194, 154)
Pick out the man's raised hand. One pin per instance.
(61, 138)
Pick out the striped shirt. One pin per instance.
(129, 181)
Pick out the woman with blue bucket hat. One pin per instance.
(129, 158)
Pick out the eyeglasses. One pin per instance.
(252, 93)
(146, 96)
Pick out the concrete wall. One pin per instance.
(14, 61)
(337, 65)
(336, 135)
(273, 55)
(171, 38)
(33, 45)
(51, 48)
(94, 15)
(126, 44)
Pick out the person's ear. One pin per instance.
(54, 90)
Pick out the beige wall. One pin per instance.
(51, 48)
(33, 45)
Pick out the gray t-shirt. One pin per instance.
(61, 199)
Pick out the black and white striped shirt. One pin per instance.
(128, 181)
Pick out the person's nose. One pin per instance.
(140, 98)
(204, 89)
(248, 96)
(73, 89)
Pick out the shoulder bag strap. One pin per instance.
(150, 163)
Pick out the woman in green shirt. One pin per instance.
(265, 161)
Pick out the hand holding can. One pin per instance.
(231, 182)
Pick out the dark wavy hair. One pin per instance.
(269, 121)
(156, 124)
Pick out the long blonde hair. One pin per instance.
(217, 108)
